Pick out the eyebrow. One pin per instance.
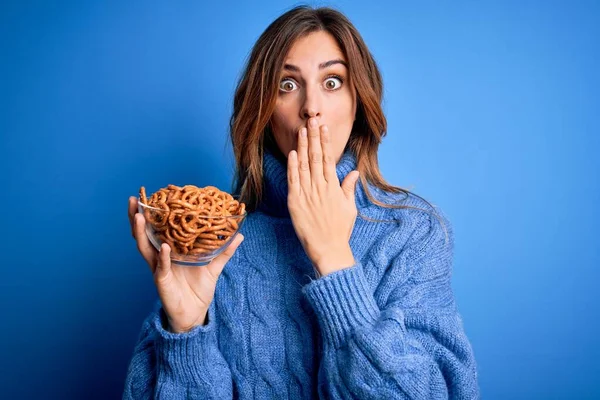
(290, 67)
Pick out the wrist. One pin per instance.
(173, 328)
(334, 261)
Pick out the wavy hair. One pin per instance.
(257, 90)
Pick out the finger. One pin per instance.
(329, 170)
(216, 266)
(143, 243)
(131, 210)
(303, 163)
(315, 155)
(163, 267)
(349, 184)
(292, 173)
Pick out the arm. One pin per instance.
(414, 346)
(167, 365)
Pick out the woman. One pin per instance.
(317, 303)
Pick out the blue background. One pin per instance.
(492, 113)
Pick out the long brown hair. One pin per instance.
(256, 96)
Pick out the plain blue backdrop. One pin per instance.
(493, 116)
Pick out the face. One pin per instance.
(314, 83)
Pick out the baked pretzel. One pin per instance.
(192, 220)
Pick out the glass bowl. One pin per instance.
(195, 239)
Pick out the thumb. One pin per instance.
(216, 266)
(163, 265)
(349, 184)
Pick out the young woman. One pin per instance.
(342, 286)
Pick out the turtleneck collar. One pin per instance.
(275, 187)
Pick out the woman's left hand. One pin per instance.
(323, 212)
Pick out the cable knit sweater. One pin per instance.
(385, 328)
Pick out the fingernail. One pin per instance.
(303, 132)
(312, 122)
(325, 129)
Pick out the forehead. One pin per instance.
(313, 49)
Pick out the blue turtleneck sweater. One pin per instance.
(385, 328)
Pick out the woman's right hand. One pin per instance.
(185, 292)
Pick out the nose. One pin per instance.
(311, 106)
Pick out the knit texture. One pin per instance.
(385, 328)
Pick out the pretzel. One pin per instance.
(189, 219)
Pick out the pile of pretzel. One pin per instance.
(192, 220)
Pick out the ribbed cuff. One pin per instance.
(343, 302)
(182, 357)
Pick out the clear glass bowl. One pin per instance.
(195, 239)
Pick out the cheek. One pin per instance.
(342, 119)
(344, 114)
(283, 127)
(282, 115)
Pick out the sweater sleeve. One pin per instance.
(168, 365)
(413, 346)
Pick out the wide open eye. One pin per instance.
(287, 85)
(333, 83)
